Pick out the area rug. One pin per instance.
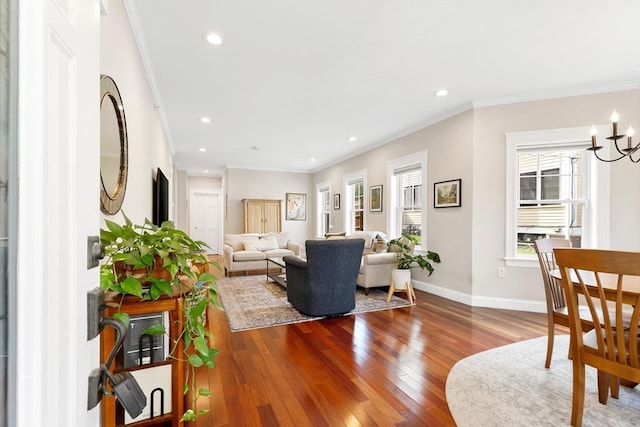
(509, 386)
(251, 302)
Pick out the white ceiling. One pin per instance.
(294, 79)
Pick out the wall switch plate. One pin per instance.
(501, 272)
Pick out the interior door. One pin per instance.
(59, 177)
(204, 219)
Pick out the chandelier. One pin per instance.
(622, 151)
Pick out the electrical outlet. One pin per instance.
(501, 272)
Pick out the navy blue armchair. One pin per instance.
(325, 284)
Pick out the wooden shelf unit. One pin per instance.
(112, 413)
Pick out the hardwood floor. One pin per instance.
(385, 368)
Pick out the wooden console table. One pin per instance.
(113, 413)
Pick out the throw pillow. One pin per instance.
(252, 245)
(282, 238)
(236, 241)
(261, 245)
(268, 243)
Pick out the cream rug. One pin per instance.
(509, 386)
(250, 302)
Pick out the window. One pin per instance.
(324, 208)
(550, 190)
(410, 201)
(354, 209)
(406, 214)
(357, 212)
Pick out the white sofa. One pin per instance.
(245, 252)
(377, 263)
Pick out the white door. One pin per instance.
(58, 207)
(204, 219)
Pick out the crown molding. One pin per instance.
(138, 35)
(558, 93)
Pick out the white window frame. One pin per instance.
(348, 180)
(322, 187)
(596, 194)
(394, 216)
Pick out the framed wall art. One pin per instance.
(447, 194)
(336, 202)
(375, 198)
(296, 206)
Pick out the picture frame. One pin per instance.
(447, 194)
(375, 198)
(336, 202)
(296, 205)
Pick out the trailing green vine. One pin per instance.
(148, 261)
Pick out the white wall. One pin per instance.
(472, 146)
(488, 237)
(255, 184)
(449, 150)
(148, 145)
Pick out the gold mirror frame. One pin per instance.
(111, 198)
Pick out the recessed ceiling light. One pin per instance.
(205, 171)
(312, 159)
(213, 38)
(205, 119)
(441, 92)
(202, 149)
(353, 138)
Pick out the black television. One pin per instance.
(160, 198)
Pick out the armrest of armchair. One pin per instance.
(295, 262)
(380, 258)
(297, 280)
(376, 269)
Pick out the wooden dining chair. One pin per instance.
(602, 277)
(557, 313)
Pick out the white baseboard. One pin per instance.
(480, 301)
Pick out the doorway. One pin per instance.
(205, 219)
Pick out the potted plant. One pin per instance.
(148, 261)
(406, 259)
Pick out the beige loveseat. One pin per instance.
(377, 263)
(245, 252)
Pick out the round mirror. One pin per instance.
(113, 147)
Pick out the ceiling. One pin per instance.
(294, 79)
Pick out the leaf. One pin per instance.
(189, 415)
(132, 286)
(156, 329)
(199, 308)
(207, 278)
(201, 345)
(154, 292)
(114, 227)
(204, 392)
(185, 388)
(123, 317)
(195, 361)
(162, 285)
(107, 278)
